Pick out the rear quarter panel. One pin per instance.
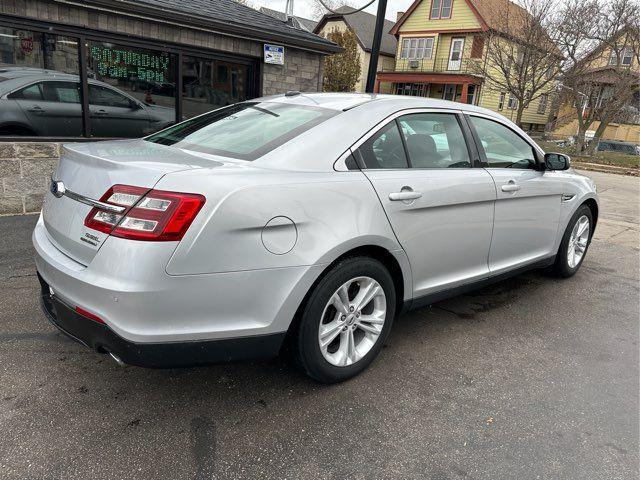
(333, 212)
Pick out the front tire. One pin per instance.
(346, 320)
(575, 243)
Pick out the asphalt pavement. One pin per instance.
(532, 378)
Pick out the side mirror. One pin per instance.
(557, 161)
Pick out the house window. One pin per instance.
(501, 101)
(626, 54)
(412, 89)
(512, 104)
(542, 105)
(477, 47)
(441, 9)
(417, 48)
(450, 92)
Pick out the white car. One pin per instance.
(309, 220)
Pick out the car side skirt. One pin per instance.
(435, 297)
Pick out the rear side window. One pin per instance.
(434, 140)
(62, 92)
(384, 149)
(246, 130)
(32, 92)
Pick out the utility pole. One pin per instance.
(289, 9)
(375, 48)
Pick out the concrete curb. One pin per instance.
(599, 167)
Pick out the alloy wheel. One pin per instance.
(578, 241)
(352, 321)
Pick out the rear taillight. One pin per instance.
(153, 215)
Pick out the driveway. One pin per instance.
(532, 378)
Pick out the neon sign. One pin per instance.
(127, 64)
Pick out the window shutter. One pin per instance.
(477, 47)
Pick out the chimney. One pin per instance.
(398, 15)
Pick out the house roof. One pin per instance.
(225, 16)
(298, 22)
(363, 24)
(497, 15)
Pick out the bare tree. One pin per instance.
(521, 56)
(318, 10)
(247, 3)
(596, 36)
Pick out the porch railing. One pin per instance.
(469, 66)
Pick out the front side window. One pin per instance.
(417, 48)
(245, 131)
(440, 9)
(384, 149)
(503, 148)
(434, 140)
(61, 92)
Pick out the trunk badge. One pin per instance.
(57, 188)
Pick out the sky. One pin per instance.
(303, 8)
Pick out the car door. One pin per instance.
(527, 206)
(439, 206)
(52, 108)
(116, 115)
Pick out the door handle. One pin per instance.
(511, 186)
(101, 112)
(406, 194)
(36, 109)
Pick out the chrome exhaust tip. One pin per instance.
(117, 359)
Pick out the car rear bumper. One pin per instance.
(154, 355)
(126, 286)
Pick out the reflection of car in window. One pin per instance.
(37, 102)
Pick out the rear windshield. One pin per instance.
(246, 130)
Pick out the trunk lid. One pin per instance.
(90, 169)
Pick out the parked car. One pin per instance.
(307, 220)
(37, 102)
(619, 147)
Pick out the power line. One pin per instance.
(322, 2)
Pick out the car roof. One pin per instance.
(20, 72)
(347, 101)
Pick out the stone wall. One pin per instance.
(25, 173)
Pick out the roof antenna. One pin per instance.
(289, 9)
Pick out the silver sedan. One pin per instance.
(303, 220)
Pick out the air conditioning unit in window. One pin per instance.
(414, 63)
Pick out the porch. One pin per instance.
(454, 87)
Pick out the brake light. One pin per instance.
(152, 215)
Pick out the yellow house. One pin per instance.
(619, 53)
(441, 50)
(362, 24)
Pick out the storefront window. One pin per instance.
(131, 90)
(39, 84)
(209, 84)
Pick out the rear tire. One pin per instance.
(346, 320)
(575, 243)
